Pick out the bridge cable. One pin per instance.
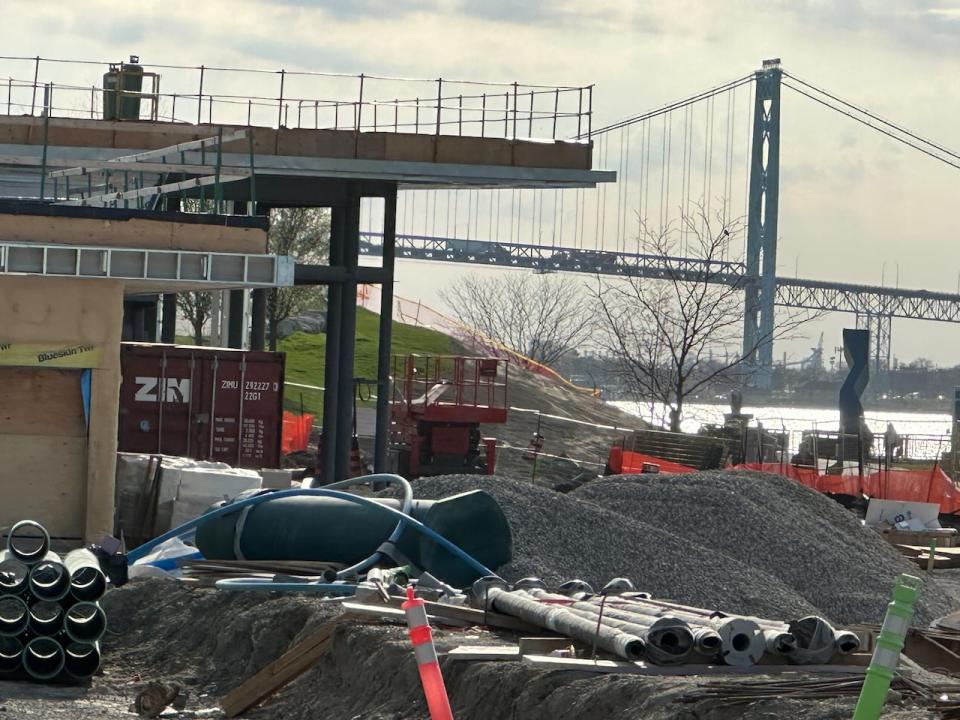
(711, 103)
(666, 199)
(622, 234)
(663, 155)
(676, 105)
(748, 160)
(641, 182)
(889, 134)
(604, 146)
(874, 116)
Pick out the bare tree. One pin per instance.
(196, 307)
(303, 233)
(675, 336)
(540, 316)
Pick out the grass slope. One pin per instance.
(305, 356)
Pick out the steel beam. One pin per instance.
(258, 319)
(331, 373)
(235, 323)
(348, 331)
(168, 328)
(381, 443)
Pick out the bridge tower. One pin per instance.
(761, 259)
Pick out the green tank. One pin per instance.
(128, 77)
(313, 528)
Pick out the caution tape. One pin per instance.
(53, 355)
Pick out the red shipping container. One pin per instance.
(203, 403)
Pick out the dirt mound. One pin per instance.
(205, 637)
(803, 538)
(559, 537)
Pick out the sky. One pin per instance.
(854, 206)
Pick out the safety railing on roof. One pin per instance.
(299, 99)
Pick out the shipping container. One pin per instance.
(203, 403)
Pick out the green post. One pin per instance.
(217, 187)
(886, 654)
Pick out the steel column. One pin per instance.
(386, 329)
(258, 319)
(168, 328)
(761, 260)
(348, 330)
(235, 320)
(331, 375)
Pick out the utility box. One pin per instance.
(202, 403)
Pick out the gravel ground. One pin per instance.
(801, 537)
(558, 537)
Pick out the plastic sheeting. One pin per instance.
(296, 432)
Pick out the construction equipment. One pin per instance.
(439, 403)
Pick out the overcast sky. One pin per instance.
(854, 206)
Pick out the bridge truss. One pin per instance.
(863, 300)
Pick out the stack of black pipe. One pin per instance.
(51, 621)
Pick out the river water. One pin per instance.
(930, 432)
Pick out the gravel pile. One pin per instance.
(801, 537)
(558, 537)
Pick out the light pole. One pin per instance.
(883, 272)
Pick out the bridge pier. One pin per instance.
(761, 260)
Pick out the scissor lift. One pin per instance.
(439, 403)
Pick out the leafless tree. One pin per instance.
(195, 307)
(675, 336)
(539, 316)
(303, 233)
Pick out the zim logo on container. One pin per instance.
(177, 390)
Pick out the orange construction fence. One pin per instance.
(296, 432)
(929, 486)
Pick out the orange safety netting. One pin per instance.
(296, 432)
(929, 486)
(413, 312)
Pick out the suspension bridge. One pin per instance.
(673, 163)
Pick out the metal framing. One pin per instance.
(173, 269)
(789, 292)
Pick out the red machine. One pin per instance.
(438, 406)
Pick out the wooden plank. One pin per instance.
(383, 612)
(140, 233)
(41, 402)
(282, 671)
(504, 653)
(44, 478)
(642, 668)
(543, 645)
(474, 616)
(929, 653)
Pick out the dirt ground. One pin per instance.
(209, 641)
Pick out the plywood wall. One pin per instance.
(55, 469)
